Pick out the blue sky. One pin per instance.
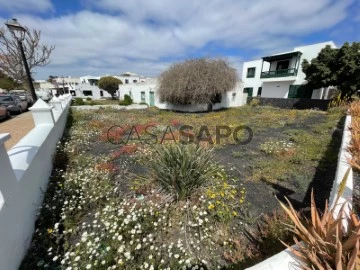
(96, 37)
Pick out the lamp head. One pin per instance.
(16, 29)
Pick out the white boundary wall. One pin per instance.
(285, 259)
(24, 174)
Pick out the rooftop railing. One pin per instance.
(279, 73)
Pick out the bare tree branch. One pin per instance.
(37, 55)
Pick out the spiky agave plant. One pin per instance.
(322, 243)
(181, 169)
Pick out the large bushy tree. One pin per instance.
(109, 84)
(337, 67)
(197, 81)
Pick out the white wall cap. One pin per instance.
(40, 105)
(4, 137)
(55, 99)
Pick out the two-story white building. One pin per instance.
(281, 75)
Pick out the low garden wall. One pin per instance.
(293, 103)
(24, 174)
(285, 260)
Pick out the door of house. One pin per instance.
(249, 91)
(152, 99)
(283, 64)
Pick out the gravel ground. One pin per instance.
(18, 126)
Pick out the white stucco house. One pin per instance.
(281, 76)
(146, 92)
(45, 85)
(87, 86)
(141, 89)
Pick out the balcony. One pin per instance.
(279, 73)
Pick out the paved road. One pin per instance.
(18, 126)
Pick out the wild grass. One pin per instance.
(109, 218)
(301, 150)
(265, 241)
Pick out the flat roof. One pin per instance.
(281, 56)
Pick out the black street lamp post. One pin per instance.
(18, 32)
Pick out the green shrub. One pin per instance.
(181, 169)
(78, 102)
(88, 98)
(254, 102)
(126, 101)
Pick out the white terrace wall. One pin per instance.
(24, 174)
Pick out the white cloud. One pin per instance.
(25, 5)
(145, 36)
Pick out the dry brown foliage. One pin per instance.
(196, 81)
(37, 55)
(354, 147)
(324, 245)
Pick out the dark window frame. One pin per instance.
(88, 93)
(251, 71)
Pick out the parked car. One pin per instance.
(24, 95)
(13, 103)
(4, 113)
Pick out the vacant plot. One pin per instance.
(114, 201)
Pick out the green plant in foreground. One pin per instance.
(181, 169)
(324, 243)
(78, 102)
(254, 102)
(126, 101)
